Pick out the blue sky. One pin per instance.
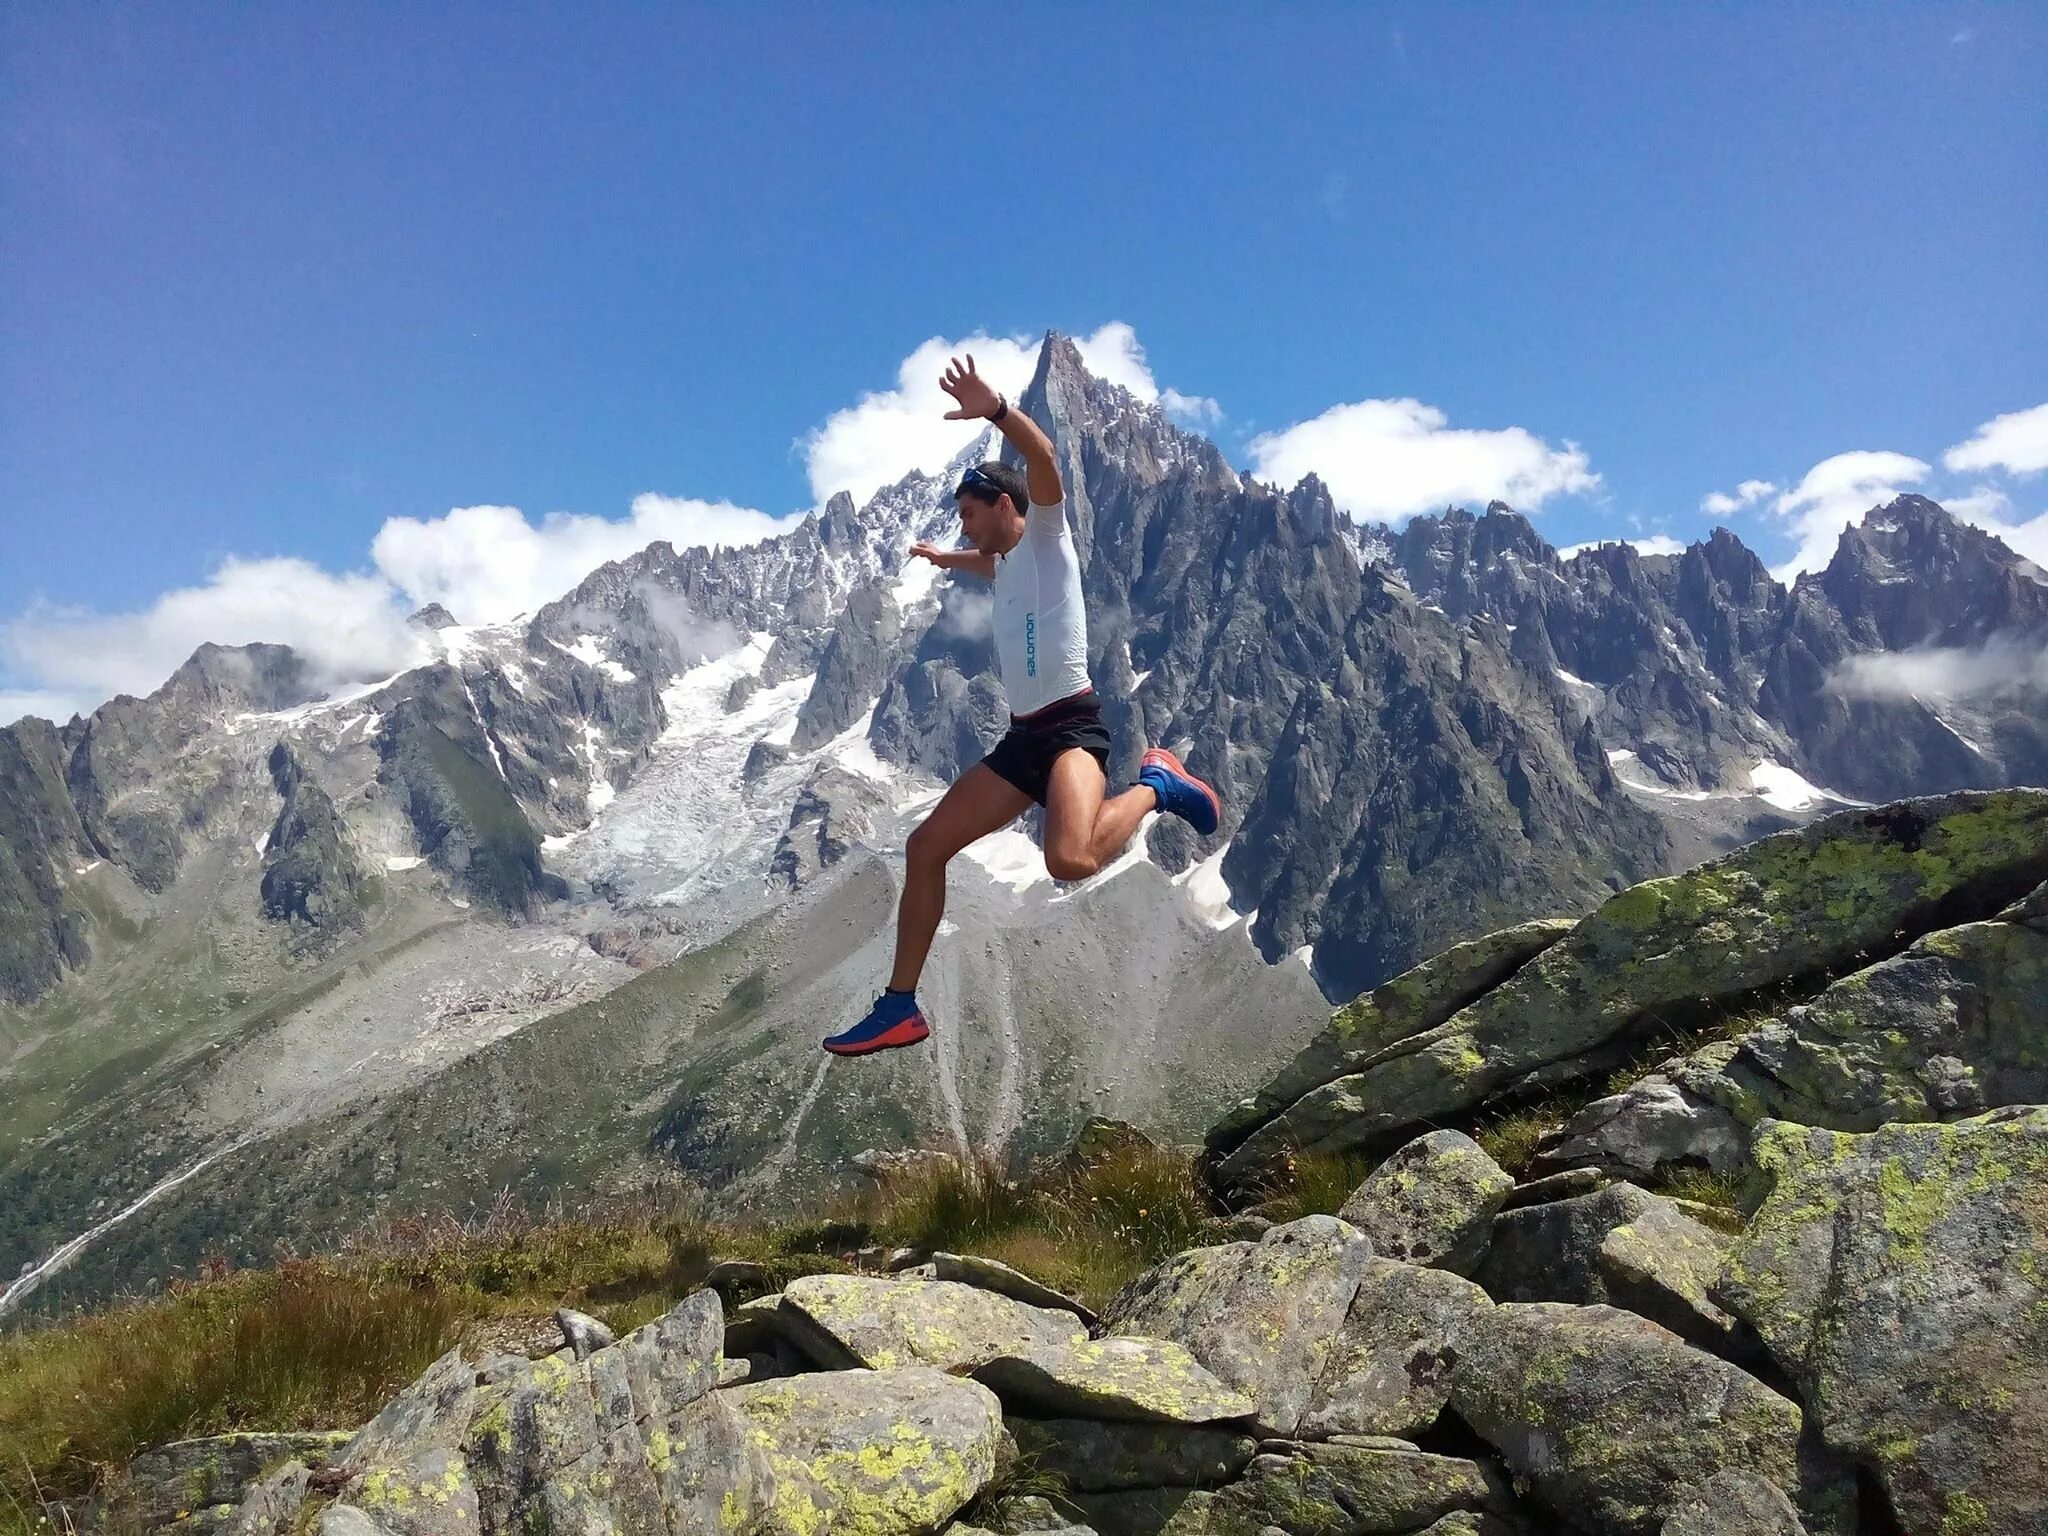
(281, 286)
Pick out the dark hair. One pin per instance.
(1008, 479)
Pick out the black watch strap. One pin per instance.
(1002, 408)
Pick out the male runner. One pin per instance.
(1056, 752)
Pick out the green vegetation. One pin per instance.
(322, 1343)
(1314, 1184)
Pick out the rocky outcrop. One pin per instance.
(1792, 911)
(310, 874)
(832, 812)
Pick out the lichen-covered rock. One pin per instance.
(1900, 1280)
(1262, 1316)
(190, 1475)
(1954, 1025)
(860, 1320)
(430, 1495)
(850, 1453)
(1793, 906)
(1413, 1002)
(994, 1275)
(1551, 1252)
(612, 1441)
(1432, 1202)
(1124, 1378)
(1652, 1124)
(710, 1473)
(1662, 1265)
(1557, 1186)
(1612, 1418)
(271, 1506)
(1390, 1370)
(1734, 1503)
(431, 1414)
(1359, 1489)
(1091, 1456)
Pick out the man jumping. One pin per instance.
(1056, 752)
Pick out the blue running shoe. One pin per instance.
(894, 1021)
(1180, 792)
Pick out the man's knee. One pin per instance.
(928, 847)
(1070, 866)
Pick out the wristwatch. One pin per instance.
(1002, 408)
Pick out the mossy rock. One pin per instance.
(1611, 1418)
(1417, 1000)
(1792, 909)
(850, 1453)
(881, 1323)
(1432, 1202)
(1900, 1280)
(1262, 1316)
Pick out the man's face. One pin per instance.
(981, 521)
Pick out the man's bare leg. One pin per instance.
(1083, 830)
(981, 801)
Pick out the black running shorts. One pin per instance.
(1033, 743)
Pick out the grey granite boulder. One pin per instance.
(1551, 1252)
(1124, 1378)
(1734, 1503)
(1795, 906)
(1432, 1202)
(1262, 1316)
(869, 1451)
(1362, 1488)
(1900, 1279)
(880, 1323)
(1390, 1370)
(1092, 1456)
(1415, 1001)
(1611, 1418)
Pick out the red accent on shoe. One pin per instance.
(909, 1032)
(1172, 764)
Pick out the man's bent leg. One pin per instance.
(981, 801)
(1083, 830)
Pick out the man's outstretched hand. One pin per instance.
(931, 552)
(969, 391)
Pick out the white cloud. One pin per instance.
(1998, 666)
(1720, 503)
(1190, 410)
(488, 564)
(1835, 493)
(484, 564)
(346, 626)
(1387, 459)
(1649, 544)
(2016, 442)
(888, 433)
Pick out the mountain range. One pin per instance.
(567, 904)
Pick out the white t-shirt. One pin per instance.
(1041, 624)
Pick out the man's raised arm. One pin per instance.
(974, 397)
